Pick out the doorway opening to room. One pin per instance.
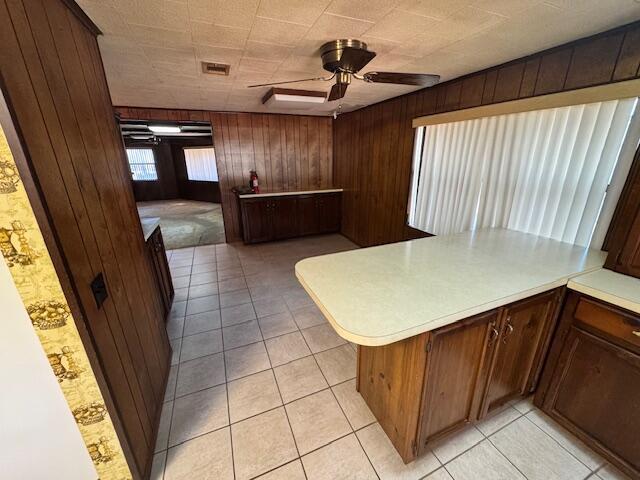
(175, 180)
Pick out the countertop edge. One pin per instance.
(284, 194)
(149, 228)
(439, 322)
(605, 296)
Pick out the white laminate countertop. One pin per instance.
(609, 286)
(282, 194)
(149, 224)
(379, 295)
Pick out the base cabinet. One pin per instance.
(158, 254)
(517, 351)
(428, 386)
(280, 217)
(591, 385)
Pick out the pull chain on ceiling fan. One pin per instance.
(345, 58)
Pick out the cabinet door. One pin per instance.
(256, 220)
(623, 237)
(523, 331)
(455, 376)
(630, 255)
(595, 393)
(161, 267)
(329, 207)
(308, 218)
(285, 217)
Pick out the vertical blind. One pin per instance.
(142, 164)
(201, 164)
(544, 172)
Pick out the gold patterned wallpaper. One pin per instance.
(25, 252)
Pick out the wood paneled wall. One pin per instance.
(373, 146)
(289, 152)
(54, 83)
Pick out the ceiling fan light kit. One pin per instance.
(345, 58)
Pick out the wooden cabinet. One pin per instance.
(288, 216)
(308, 217)
(284, 217)
(522, 337)
(623, 238)
(458, 355)
(328, 209)
(591, 383)
(158, 255)
(428, 386)
(256, 220)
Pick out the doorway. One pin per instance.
(175, 180)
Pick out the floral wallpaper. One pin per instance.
(25, 252)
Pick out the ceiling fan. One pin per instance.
(345, 58)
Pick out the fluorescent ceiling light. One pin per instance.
(164, 129)
(285, 97)
(290, 97)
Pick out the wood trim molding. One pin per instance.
(82, 16)
(600, 93)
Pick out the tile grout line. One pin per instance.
(286, 414)
(226, 387)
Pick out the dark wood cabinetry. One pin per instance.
(158, 255)
(518, 349)
(425, 387)
(623, 238)
(454, 378)
(288, 216)
(591, 383)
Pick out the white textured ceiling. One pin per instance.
(152, 49)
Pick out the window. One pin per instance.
(544, 172)
(201, 164)
(142, 164)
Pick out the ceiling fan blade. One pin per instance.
(418, 79)
(354, 59)
(338, 91)
(290, 81)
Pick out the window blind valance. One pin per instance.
(600, 93)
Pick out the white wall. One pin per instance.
(38, 435)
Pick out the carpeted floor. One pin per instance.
(186, 223)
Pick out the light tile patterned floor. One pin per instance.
(262, 387)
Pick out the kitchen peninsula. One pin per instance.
(448, 328)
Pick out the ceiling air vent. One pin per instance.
(215, 68)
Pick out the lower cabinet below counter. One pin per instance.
(433, 384)
(591, 382)
(158, 256)
(288, 216)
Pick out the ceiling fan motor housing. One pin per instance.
(331, 53)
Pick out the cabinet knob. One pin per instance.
(636, 333)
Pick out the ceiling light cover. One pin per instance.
(164, 129)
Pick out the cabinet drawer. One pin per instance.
(623, 327)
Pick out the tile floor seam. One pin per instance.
(343, 413)
(286, 414)
(354, 431)
(252, 343)
(557, 442)
(226, 387)
(485, 437)
(506, 458)
(164, 470)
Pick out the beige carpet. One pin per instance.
(186, 223)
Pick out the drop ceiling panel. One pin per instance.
(152, 49)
